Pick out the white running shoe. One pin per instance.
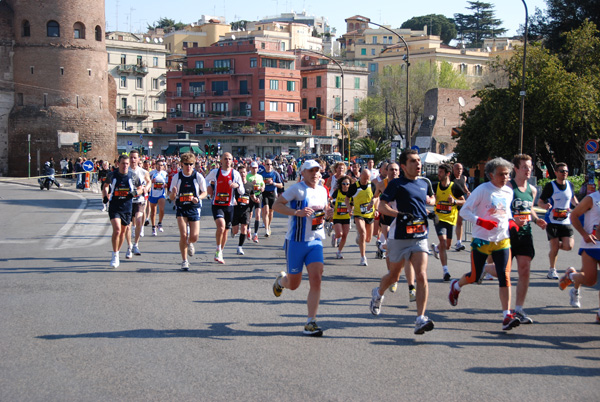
(338, 255)
(136, 250)
(128, 254)
(191, 249)
(185, 265)
(114, 262)
(552, 274)
(219, 257)
(363, 261)
(240, 250)
(142, 232)
(376, 300)
(160, 228)
(436, 251)
(575, 298)
(154, 232)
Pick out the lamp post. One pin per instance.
(522, 111)
(407, 61)
(342, 110)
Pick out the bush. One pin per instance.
(577, 182)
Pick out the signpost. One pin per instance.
(591, 156)
(88, 166)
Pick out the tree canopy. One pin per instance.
(167, 24)
(437, 24)
(481, 24)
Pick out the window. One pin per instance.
(318, 124)
(363, 51)
(463, 68)
(178, 88)
(304, 103)
(356, 83)
(373, 67)
(178, 127)
(318, 104)
(261, 83)
(356, 105)
(337, 125)
(375, 40)
(225, 65)
(62, 71)
(220, 106)
(25, 28)
(273, 106)
(155, 62)
(185, 45)
(52, 29)
(123, 124)
(199, 64)
(123, 82)
(253, 62)
(197, 108)
(287, 64)
(273, 84)
(123, 103)
(338, 104)
(194, 44)
(139, 126)
(282, 46)
(199, 129)
(478, 70)
(139, 61)
(291, 107)
(123, 59)
(338, 82)
(155, 83)
(372, 52)
(318, 81)
(78, 30)
(304, 82)
(271, 63)
(219, 87)
(196, 88)
(261, 105)
(156, 104)
(98, 33)
(291, 86)
(139, 83)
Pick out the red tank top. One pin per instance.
(223, 191)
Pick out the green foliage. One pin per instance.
(437, 24)
(366, 146)
(239, 25)
(167, 24)
(577, 181)
(481, 24)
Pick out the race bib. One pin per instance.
(222, 198)
(443, 207)
(317, 220)
(243, 199)
(560, 214)
(366, 208)
(524, 217)
(416, 227)
(159, 186)
(186, 197)
(121, 192)
(342, 209)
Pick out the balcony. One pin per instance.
(204, 93)
(205, 115)
(132, 69)
(208, 71)
(132, 113)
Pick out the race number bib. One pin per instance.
(222, 198)
(560, 214)
(243, 199)
(416, 227)
(443, 207)
(186, 197)
(366, 208)
(317, 220)
(342, 209)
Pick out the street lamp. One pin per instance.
(342, 71)
(522, 116)
(406, 59)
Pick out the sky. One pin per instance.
(134, 15)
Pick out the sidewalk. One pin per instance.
(66, 183)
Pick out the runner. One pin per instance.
(273, 182)
(226, 180)
(557, 197)
(341, 215)
(459, 180)
(158, 191)
(139, 204)
(307, 210)
(118, 190)
(373, 171)
(188, 188)
(488, 209)
(392, 172)
(407, 239)
(354, 173)
(255, 198)
(449, 196)
(242, 210)
(362, 193)
(589, 249)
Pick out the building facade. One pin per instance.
(138, 66)
(62, 91)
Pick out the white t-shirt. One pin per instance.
(141, 173)
(492, 203)
(300, 196)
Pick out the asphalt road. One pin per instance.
(73, 329)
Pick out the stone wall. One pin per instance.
(6, 81)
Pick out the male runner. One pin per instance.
(242, 210)
(158, 191)
(258, 186)
(139, 204)
(557, 197)
(407, 238)
(273, 183)
(459, 180)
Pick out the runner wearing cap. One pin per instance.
(258, 186)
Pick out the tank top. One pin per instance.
(445, 211)
(560, 213)
(591, 221)
(223, 191)
(363, 202)
(159, 183)
(521, 206)
(340, 209)
(188, 189)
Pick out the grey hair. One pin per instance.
(492, 165)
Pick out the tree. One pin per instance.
(366, 146)
(438, 24)
(167, 24)
(561, 108)
(239, 25)
(474, 28)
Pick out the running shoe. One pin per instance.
(277, 288)
(488, 277)
(378, 254)
(552, 274)
(565, 280)
(249, 235)
(185, 265)
(329, 228)
(128, 254)
(394, 287)
(267, 233)
(412, 295)
(363, 261)
(338, 255)
(312, 329)
(154, 232)
(240, 250)
(510, 322)
(147, 222)
(523, 317)
(160, 227)
(136, 250)
(376, 300)
(453, 295)
(459, 247)
(423, 325)
(255, 238)
(575, 298)
(436, 251)
(219, 257)
(191, 249)
(447, 276)
(142, 232)
(114, 262)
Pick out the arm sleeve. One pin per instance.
(469, 208)
(546, 192)
(238, 179)
(201, 182)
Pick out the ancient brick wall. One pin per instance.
(6, 80)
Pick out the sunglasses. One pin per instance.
(563, 171)
(188, 164)
(268, 164)
(345, 184)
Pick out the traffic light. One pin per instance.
(77, 146)
(213, 149)
(87, 147)
(206, 150)
(84, 146)
(312, 113)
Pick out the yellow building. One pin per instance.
(291, 35)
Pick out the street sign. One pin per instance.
(367, 156)
(591, 157)
(150, 143)
(88, 166)
(129, 142)
(591, 146)
(416, 148)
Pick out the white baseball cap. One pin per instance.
(309, 164)
(254, 164)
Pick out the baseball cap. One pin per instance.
(309, 164)
(254, 164)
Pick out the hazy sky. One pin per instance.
(135, 14)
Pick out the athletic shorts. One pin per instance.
(555, 231)
(402, 249)
(386, 220)
(444, 229)
(268, 198)
(342, 221)
(192, 214)
(241, 214)
(368, 221)
(592, 252)
(522, 244)
(254, 205)
(154, 200)
(223, 212)
(124, 216)
(137, 207)
(300, 253)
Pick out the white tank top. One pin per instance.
(561, 201)
(591, 221)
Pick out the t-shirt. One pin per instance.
(300, 196)
(410, 196)
(492, 203)
(272, 175)
(257, 181)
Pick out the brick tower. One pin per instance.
(62, 90)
